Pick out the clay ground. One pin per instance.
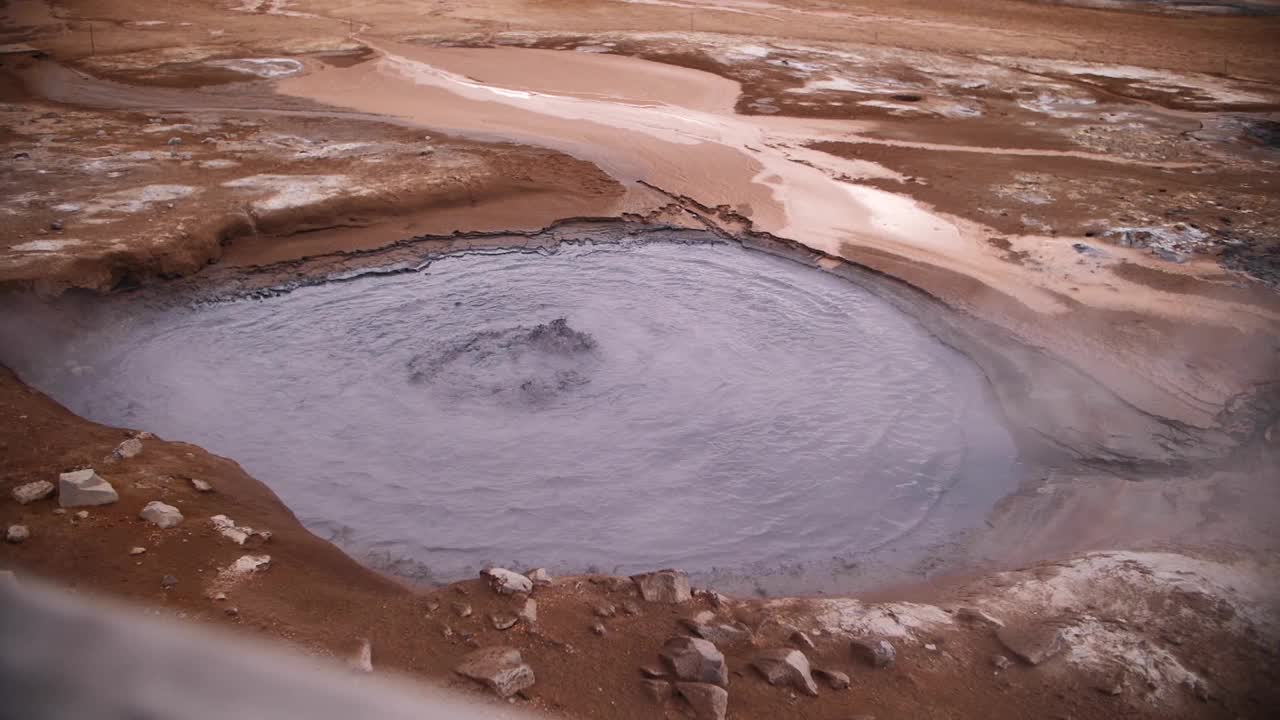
(1098, 185)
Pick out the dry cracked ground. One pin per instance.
(1086, 189)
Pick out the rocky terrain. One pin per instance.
(1081, 196)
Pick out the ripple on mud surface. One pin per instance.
(620, 408)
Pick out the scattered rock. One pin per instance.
(801, 639)
(56, 226)
(238, 534)
(528, 612)
(539, 576)
(201, 485)
(664, 586)
(33, 491)
(17, 534)
(878, 653)
(786, 666)
(462, 609)
(175, 141)
(84, 488)
(127, 449)
(59, 511)
(695, 660)
(219, 597)
(507, 582)
(232, 612)
(978, 617)
(650, 671)
(82, 515)
(718, 633)
(160, 514)
(137, 550)
(836, 679)
(604, 610)
(709, 702)
(168, 581)
(503, 621)
(598, 629)
(501, 669)
(1001, 662)
(658, 690)
(631, 608)
(362, 660)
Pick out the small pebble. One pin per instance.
(168, 581)
(137, 551)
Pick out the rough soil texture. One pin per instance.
(1080, 195)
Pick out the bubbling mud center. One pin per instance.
(615, 407)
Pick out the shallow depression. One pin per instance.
(619, 408)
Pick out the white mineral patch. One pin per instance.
(293, 191)
(47, 245)
(260, 67)
(138, 199)
(217, 164)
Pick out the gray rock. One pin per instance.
(631, 608)
(1033, 644)
(1001, 662)
(539, 577)
(201, 485)
(17, 534)
(82, 515)
(786, 666)
(175, 141)
(650, 671)
(836, 679)
(604, 610)
(695, 660)
(160, 514)
(127, 449)
(84, 488)
(33, 491)
(877, 653)
(658, 690)
(599, 629)
(462, 609)
(501, 669)
(503, 621)
(507, 582)
(664, 586)
(168, 581)
(362, 660)
(709, 702)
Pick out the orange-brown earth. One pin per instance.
(1009, 121)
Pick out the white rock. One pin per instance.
(127, 449)
(529, 611)
(201, 485)
(33, 491)
(17, 533)
(84, 488)
(246, 564)
(160, 514)
(507, 582)
(137, 550)
(539, 576)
